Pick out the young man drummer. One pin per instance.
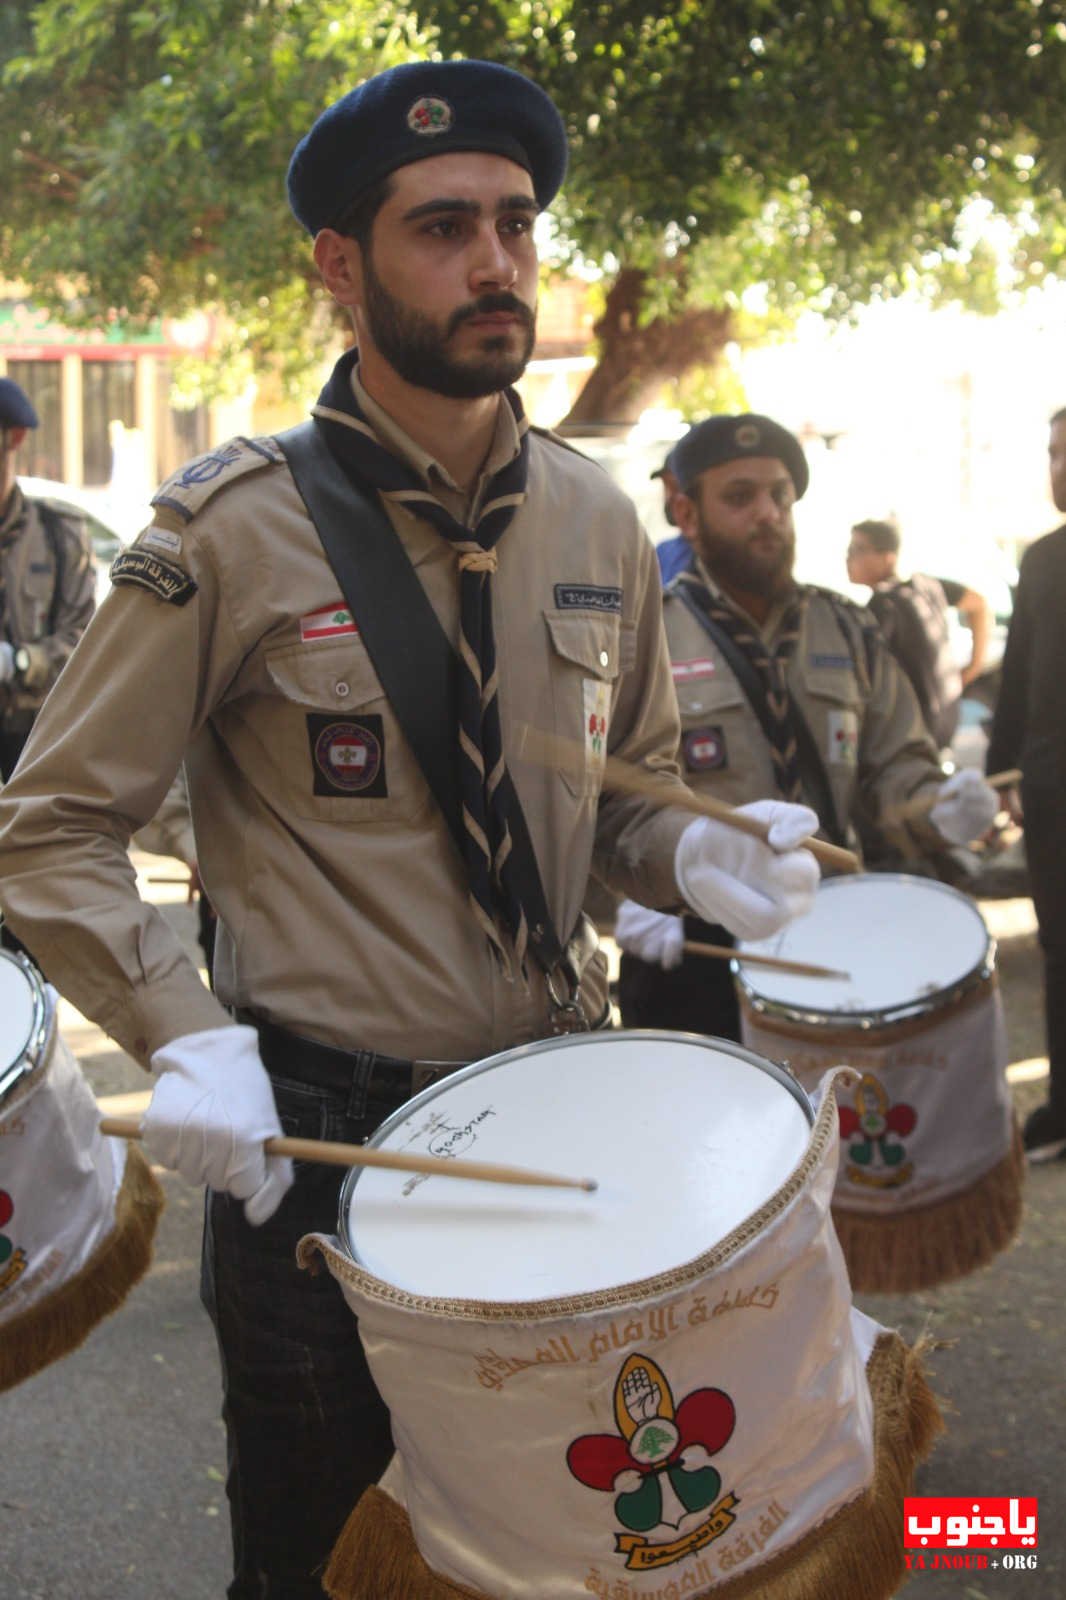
(782, 688)
(372, 933)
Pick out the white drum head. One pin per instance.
(21, 1018)
(906, 944)
(686, 1137)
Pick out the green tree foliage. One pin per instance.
(147, 152)
(830, 153)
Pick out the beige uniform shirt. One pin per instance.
(344, 910)
(47, 595)
(861, 710)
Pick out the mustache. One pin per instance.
(485, 305)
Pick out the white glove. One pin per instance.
(211, 1111)
(654, 936)
(965, 808)
(750, 887)
(7, 661)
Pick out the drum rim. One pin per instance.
(874, 1018)
(33, 1044)
(775, 1069)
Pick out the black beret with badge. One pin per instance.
(716, 440)
(421, 109)
(15, 408)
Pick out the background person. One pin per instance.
(1029, 731)
(365, 945)
(913, 613)
(47, 585)
(783, 689)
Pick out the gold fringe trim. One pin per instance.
(59, 1322)
(904, 1251)
(856, 1555)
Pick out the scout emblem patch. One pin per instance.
(704, 750)
(160, 577)
(873, 1130)
(327, 622)
(430, 115)
(597, 698)
(670, 1449)
(12, 1257)
(348, 755)
(843, 739)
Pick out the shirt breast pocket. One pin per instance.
(346, 759)
(834, 714)
(585, 663)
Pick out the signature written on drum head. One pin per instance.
(446, 1139)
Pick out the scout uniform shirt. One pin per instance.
(47, 594)
(342, 896)
(861, 711)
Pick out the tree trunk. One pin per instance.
(635, 361)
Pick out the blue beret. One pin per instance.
(424, 108)
(15, 408)
(719, 439)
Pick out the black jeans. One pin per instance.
(307, 1431)
(697, 997)
(1046, 857)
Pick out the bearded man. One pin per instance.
(783, 689)
(343, 630)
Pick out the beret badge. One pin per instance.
(747, 436)
(429, 115)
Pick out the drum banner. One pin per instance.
(77, 1215)
(930, 1178)
(683, 1434)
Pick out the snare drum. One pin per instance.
(663, 1383)
(930, 1178)
(77, 1211)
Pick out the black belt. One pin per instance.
(360, 1075)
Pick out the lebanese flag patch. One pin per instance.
(684, 671)
(327, 623)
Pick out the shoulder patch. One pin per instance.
(564, 444)
(164, 579)
(190, 488)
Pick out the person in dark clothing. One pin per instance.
(1029, 731)
(913, 614)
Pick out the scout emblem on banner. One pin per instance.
(874, 1129)
(660, 1443)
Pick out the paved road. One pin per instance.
(111, 1468)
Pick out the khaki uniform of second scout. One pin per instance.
(864, 721)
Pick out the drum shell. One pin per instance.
(489, 1402)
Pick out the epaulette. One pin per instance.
(564, 444)
(192, 486)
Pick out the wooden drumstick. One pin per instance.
(361, 1155)
(552, 750)
(800, 969)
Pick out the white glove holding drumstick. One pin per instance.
(750, 887)
(210, 1114)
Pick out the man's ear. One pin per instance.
(13, 437)
(340, 263)
(685, 515)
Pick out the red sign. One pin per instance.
(977, 1522)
